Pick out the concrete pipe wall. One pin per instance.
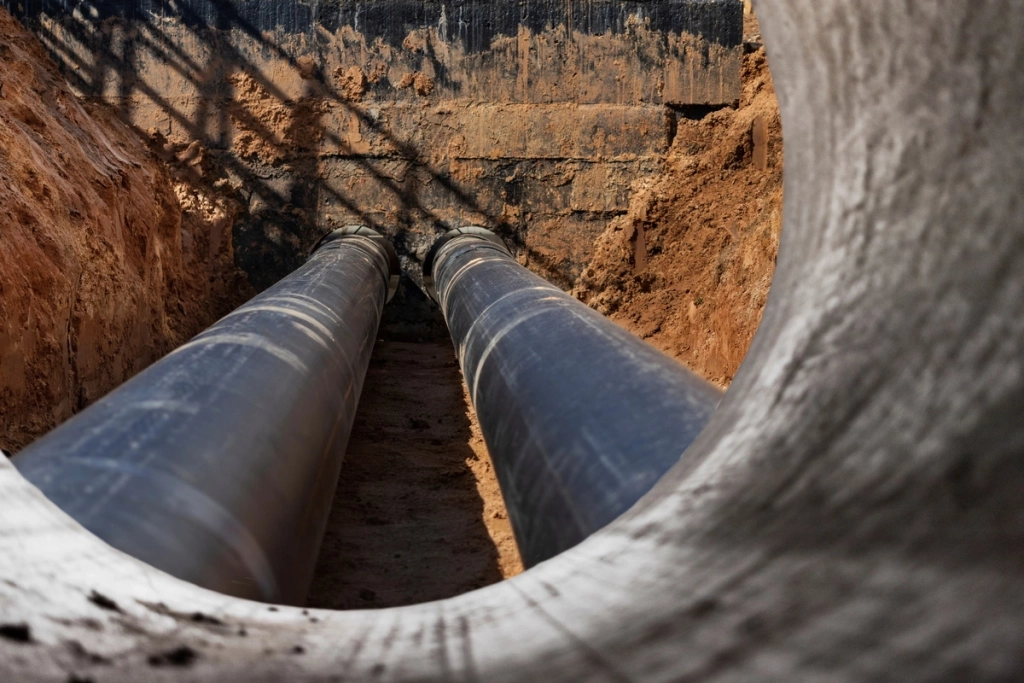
(580, 417)
(855, 513)
(218, 463)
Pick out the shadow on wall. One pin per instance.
(279, 181)
(409, 117)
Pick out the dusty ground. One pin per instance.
(113, 253)
(418, 514)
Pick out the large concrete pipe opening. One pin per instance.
(850, 511)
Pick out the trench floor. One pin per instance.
(418, 514)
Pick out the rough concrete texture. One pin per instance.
(534, 120)
(108, 258)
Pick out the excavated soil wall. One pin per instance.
(109, 257)
(689, 267)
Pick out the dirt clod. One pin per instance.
(179, 656)
(19, 633)
(103, 602)
(423, 84)
(80, 652)
(200, 618)
(352, 83)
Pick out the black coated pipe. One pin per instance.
(580, 417)
(218, 463)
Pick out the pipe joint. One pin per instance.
(376, 243)
(448, 241)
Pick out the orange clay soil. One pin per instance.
(689, 268)
(109, 257)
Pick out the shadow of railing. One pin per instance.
(182, 61)
(192, 67)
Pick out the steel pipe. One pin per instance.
(581, 418)
(218, 463)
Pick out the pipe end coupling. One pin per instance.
(473, 232)
(361, 232)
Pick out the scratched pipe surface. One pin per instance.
(581, 418)
(218, 463)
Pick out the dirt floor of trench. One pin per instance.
(418, 514)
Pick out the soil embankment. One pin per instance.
(109, 256)
(689, 268)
